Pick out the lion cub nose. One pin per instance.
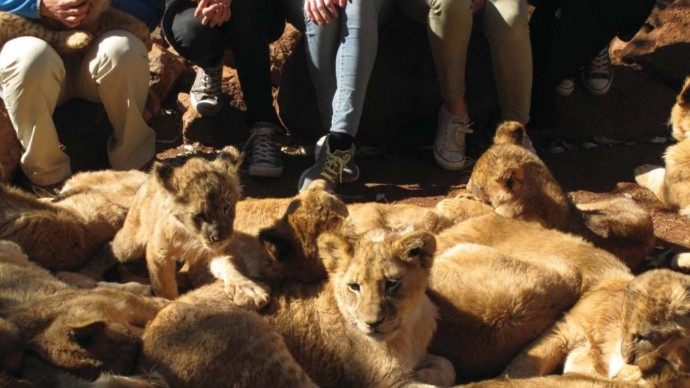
(374, 325)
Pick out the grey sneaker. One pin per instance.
(350, 171)
(449, 145)
(329, 167)
(598, 74)
(207, 90)
(263, 156)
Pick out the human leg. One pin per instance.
(341, 60)
(449, 26)
(254, 24)
(115, 72)
(202, 45)
(32, 76)
(505, 24)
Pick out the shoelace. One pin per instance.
(601, 64)
(262, 144)
(334, 166)
(211, 81)
(460, 129)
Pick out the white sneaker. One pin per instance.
(449, 145)
(566, 87)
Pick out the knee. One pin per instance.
(120, 50)
(508, 19)
(28, 59)
(455, 8)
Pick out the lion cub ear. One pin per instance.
(276, 245)
(229, 158)
(511, 179)
(418, 247)
(510, 132)
(85, 331)
(334, 250)
(684, 96)
(164, 175)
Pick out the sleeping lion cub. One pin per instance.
(672, 184)
(100, 17)
(186, 213)
(517, 184)
(626, 330)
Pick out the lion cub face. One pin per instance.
(204, 196)
(680, 114)
(656, 318)
(379, 277)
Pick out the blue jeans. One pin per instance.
(341, 56)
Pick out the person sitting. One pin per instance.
(449, 25)
(114, 71)
(569, 35)
(341, 43)
(201, 31)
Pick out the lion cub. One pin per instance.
(517, 184)
(186, 213)
(100, 17)
(83, 332)
(369, 324)
(626, 330)
(671, 184)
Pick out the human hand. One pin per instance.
(214, 12)
(323, 11)
(477, 6)
(67, 12)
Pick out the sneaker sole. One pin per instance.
(203, 109)
(446, 165)
(599, 92)
(269, 172)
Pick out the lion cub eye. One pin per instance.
(354, 287)
(199, 218)
(392, 284)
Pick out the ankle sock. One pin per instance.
(340, 141)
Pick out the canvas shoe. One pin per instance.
(566, 87)
(350, 171)
(449, 145)
(598, 74)
(207, 90)
(329, 167)
(263, 155)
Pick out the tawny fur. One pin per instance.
(671, 183)
(186, 213)
(100, 18)
(374, 337)
(629, 330)
(84, 332)
(202, 339)
(538, 273)
(62, 234)
(517, 184)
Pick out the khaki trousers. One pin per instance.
(34, 80)
(504, 23)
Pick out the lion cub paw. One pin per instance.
(76, 41)
(248, 294)
(649, 175)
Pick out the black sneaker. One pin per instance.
(598, 74)
(263, 155)
(207, 90)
